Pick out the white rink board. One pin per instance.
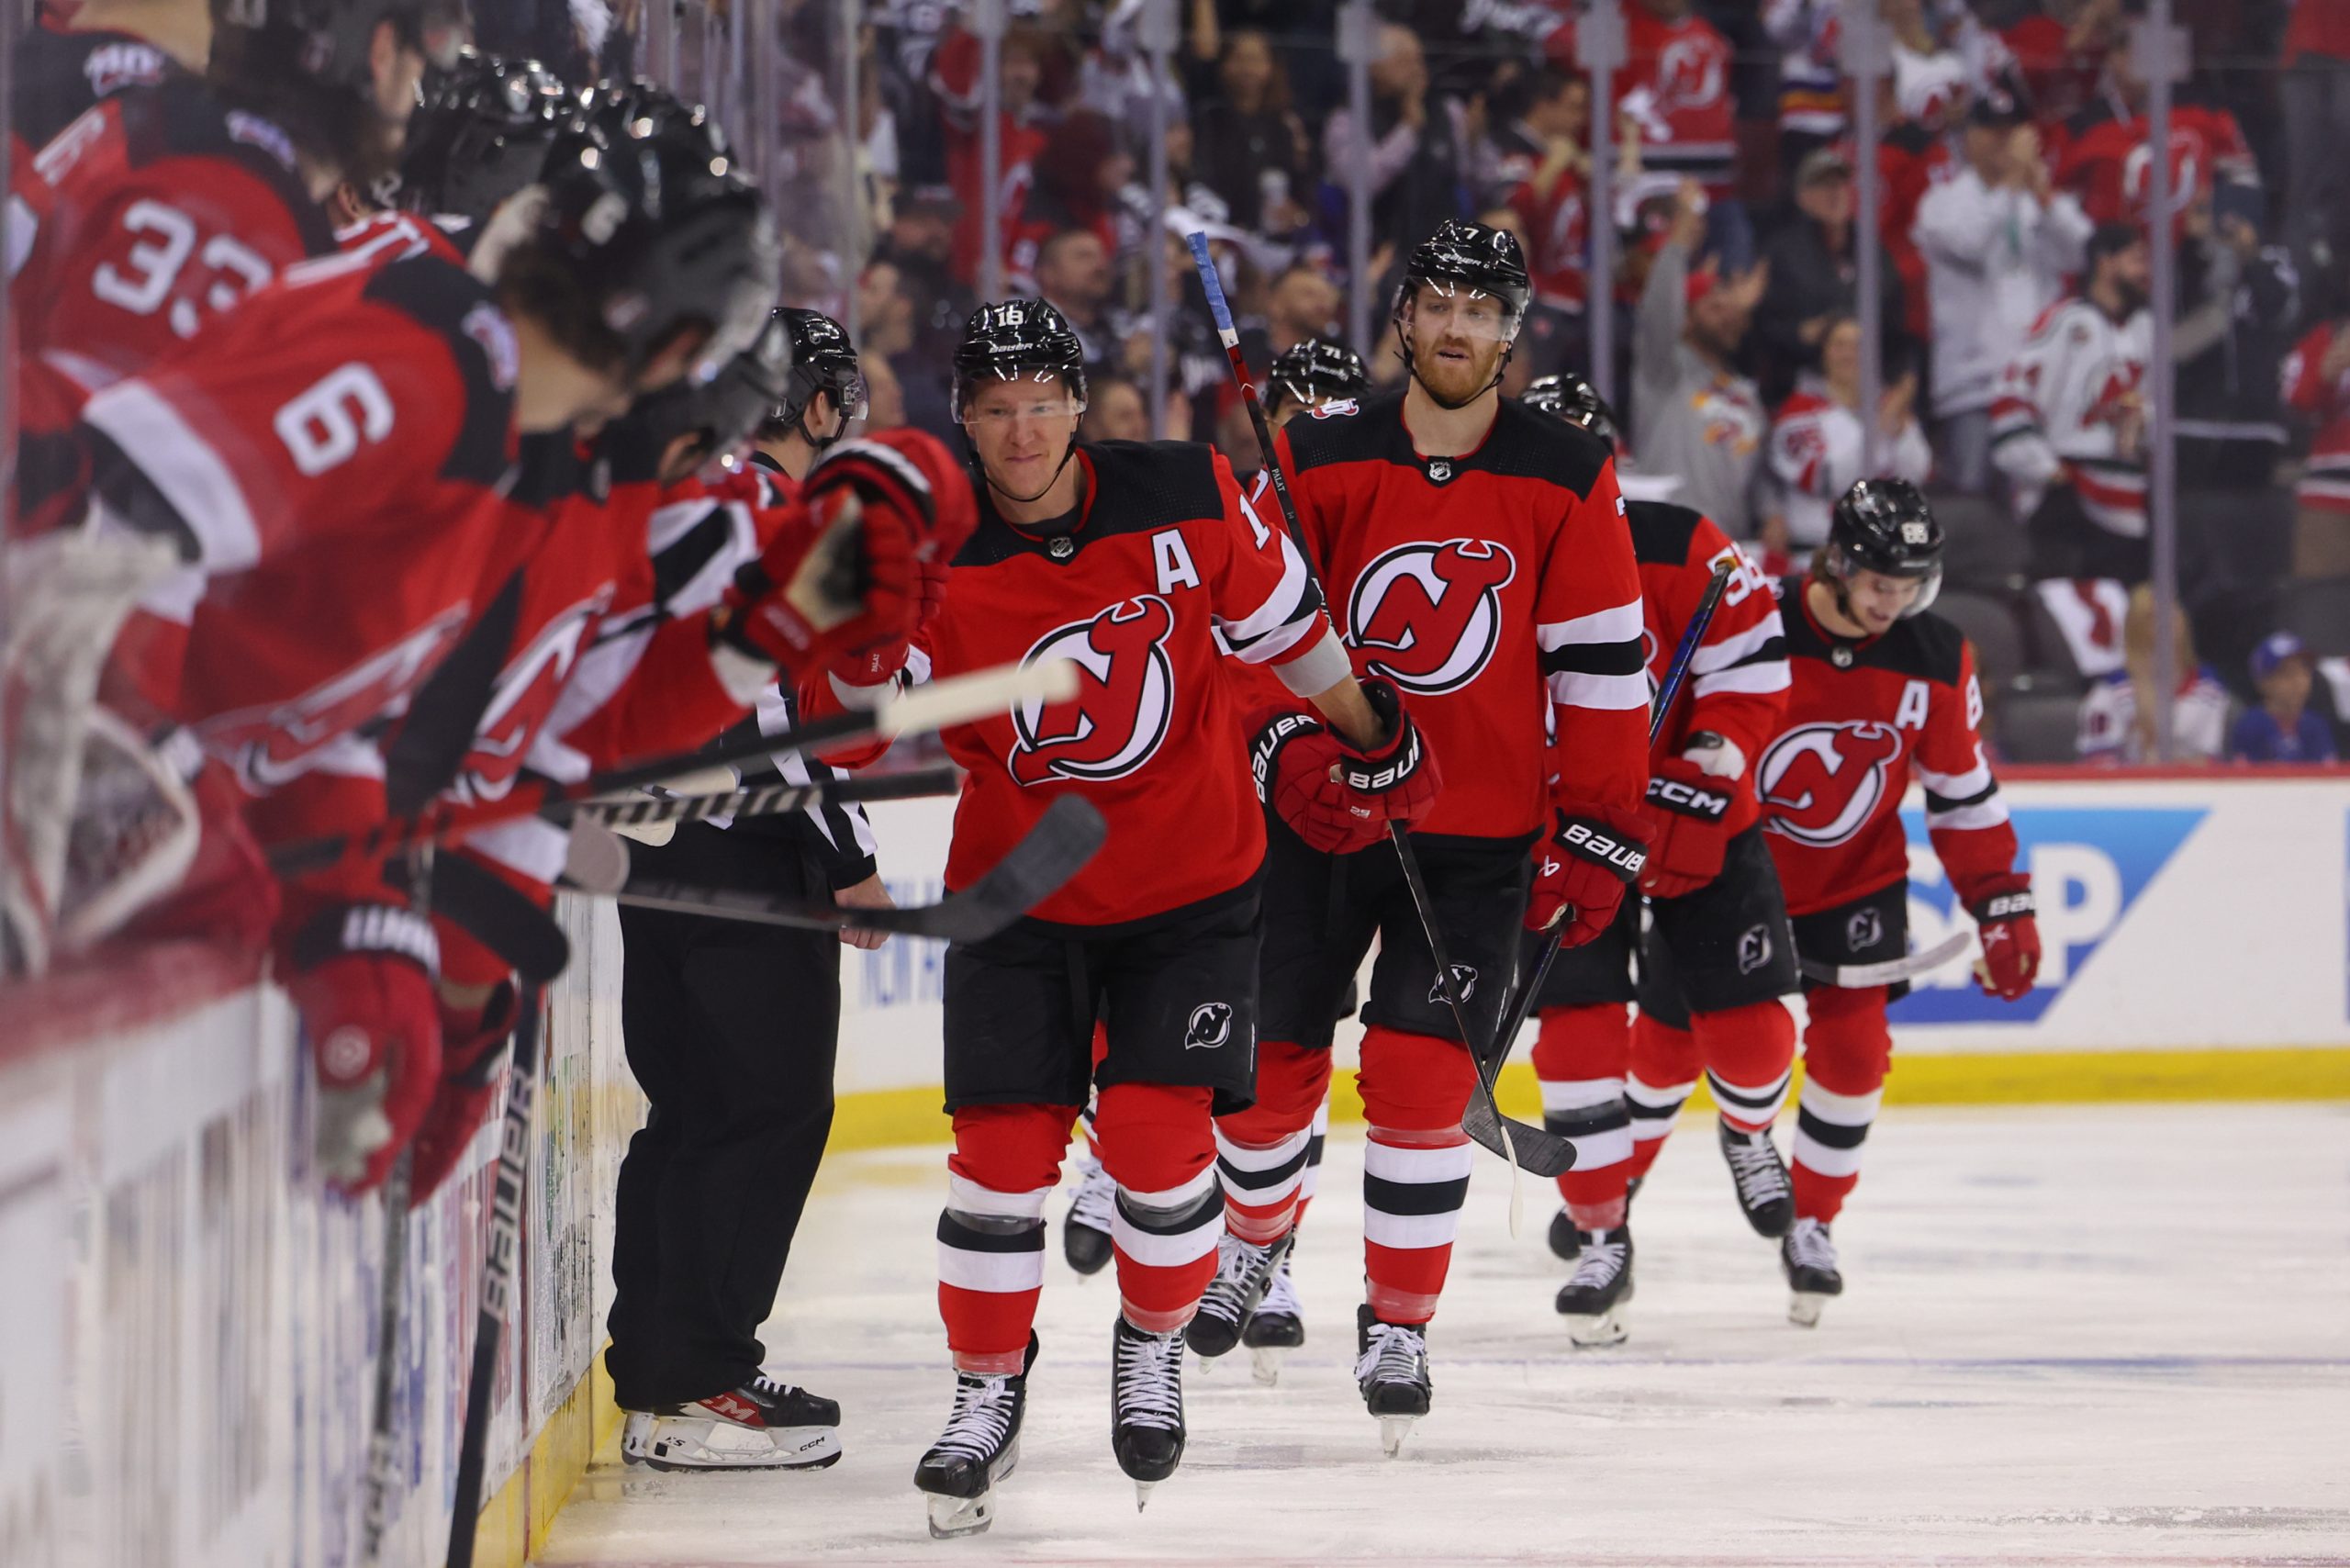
(2177, 915)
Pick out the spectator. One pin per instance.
(955, 80)
(1073, 276)
(1697, 416)
(885, 397)
(1418, 148)
(2102, 154)
(1542, 171)
(1302, 304)
(1998, 241)
(1116, 409)
(2117, 711)
(1541, 116)
(2237, 304)
(1077, 180)
(2316, 381)
(2315, 89)
(1248, 144)
(1812, 108)
(1819, 447)
(1815, 274)
(2061, 53)
(2068, 426)
(2284, 728)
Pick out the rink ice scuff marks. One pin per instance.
(2134, 1349)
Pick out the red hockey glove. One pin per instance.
(362, 981)
(1335, 797)
(473, 1049)
(1687, 816)
(2004, 908)
(836, 582)
(1581, 871)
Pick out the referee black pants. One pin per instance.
(731, 1029)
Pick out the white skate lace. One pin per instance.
(1239, 1265)
(982, 1416)
(1148, 1374)
(1597, 1267)
(1754, 1166)
(1393, 1354)
(1280, 1296)
(1093, 1194)
(1811, 1246)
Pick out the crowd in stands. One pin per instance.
(2013, 237)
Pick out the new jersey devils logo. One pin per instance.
(525, 696)
(1822, 783)
(1430, 615)
(1125, 694)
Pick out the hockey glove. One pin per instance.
(473, 1049)
(835, 581)
(2003, 910)
(1335, 797)
(362, 981)
(1581, 869)
(1687, 816)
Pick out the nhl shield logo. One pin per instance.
(1211, 1026)
(1439, 470)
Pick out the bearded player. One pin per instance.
(1475, 556)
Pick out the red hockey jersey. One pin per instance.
(2325, 479)
(61, 75)
(2105, 160)
(1736, 686)
(1862, 719)
(1168, 566)
(1497, 588)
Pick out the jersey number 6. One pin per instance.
(322, 426)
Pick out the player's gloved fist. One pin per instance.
(1581, 870)
(473, 1049)
(1688, 815)
(837, 580)
(2005, 913)
(1337, 797)
(362, 981)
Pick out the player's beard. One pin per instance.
(1456, 382)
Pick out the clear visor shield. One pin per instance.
(1031, 397)
(1859, 579)
(1441, 309)
(855, 402)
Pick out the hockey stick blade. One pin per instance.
(1052, 852)
(1891, 971)
(769, 800)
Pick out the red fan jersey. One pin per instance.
(1497, 588)
(2105, 160)
(1736, 686)
(1862, 718)
(2325, 479)
(1168, 566)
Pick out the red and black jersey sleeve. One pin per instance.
(1268, 601)
(1588, 624)
(61, 74)
(1964, 812)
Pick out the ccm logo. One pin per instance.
(2006, 906)
(1605, 847)
(1688, 800)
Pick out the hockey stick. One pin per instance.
(1521, 1005)
(1520, 1143)
(382, 1439)
(768, 800)
(500, 1257)
(1891, 971)
(1047, 856)
(932, 706)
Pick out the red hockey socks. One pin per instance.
(1415, 1170)
(1263, 1152)
(1750, 1054)
(1665, 1063)
(1580, 1059)
(1158, 1143)
(1847, 1049)
(991, 1235)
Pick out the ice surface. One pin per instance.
(2069, 1334)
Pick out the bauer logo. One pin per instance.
(2088, 870)
(1429, 616)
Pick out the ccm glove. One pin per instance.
(1335, 797)
(362, 981)
(472, 1051)
(1581, 870)
(2004, 911)
(1687, 817)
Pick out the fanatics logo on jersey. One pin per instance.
(1821, 784)
(1124, 698)
(115, 66)
(1211, 1025)
(486, 324)
(1429, 616)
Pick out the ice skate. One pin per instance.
(1592, 1302)
(1146, 1406)
(763, 1425)
(636, 1432)
(1085, 1231)
(1808, 1256)
(1278, 1326)
(1566, 1237)
(1392, 1370)
(1243, 1270)
(979, 1448)
(1761, 1177)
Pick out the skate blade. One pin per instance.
(952, 1517)
(1804, 1308)
(803, 1447)
(1392, 1430)
(1597, 1331)
(1143, 1490)
(1265, 1364)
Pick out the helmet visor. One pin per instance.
(1448, 308)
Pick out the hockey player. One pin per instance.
(1141, 563)
(1475, 554)
(1884, 690)
(1313, 375)
(1717, 955)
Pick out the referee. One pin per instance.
(732, 1030)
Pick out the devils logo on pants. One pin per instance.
(1822, 783)
(1126, 695)
(1430, 615)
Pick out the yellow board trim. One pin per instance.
(880, 1119)
(515, 1522)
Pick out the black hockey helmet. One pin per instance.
(1566, 396)
(1885, 526)
(481, 134)
(1472, 256)
(333, 39)
(1014, 338)
(307, 67)
(724, 404)
(823, 360)
(647, 210)
(1315, 371)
